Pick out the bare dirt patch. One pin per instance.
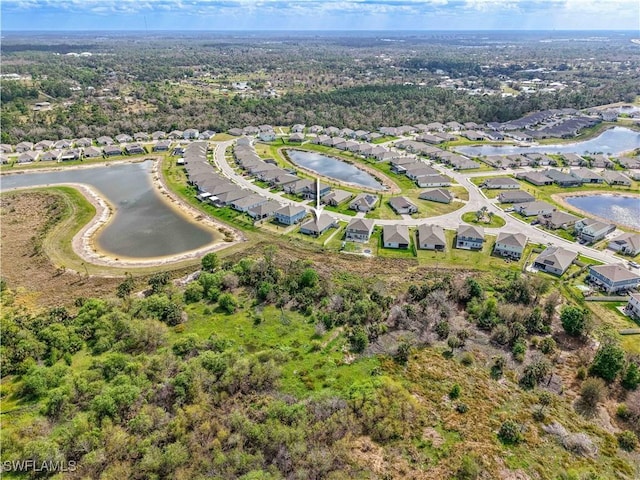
(35, 281)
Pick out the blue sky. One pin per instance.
(320, 14)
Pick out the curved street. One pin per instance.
(449, 221)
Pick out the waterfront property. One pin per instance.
(558, 219)
(626, 244)
(336, 197)
(359, 230)
(364, 202)
(395, 236)
(555, 260)
(510, 245)
(517, 196)
(469, 237)
(591, 231)
(613, 278)
(533, 208)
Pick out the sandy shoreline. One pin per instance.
(83, 242)
(559, 198)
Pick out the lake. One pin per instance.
(144, 225)
(612, 141)
(334, 168)
(619, 209)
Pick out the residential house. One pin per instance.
(264, 210)
(190, 134)
(318, 225)
(83, 142)
(431, 237)
(558, 219)
(267, 136)
(174, 134)
(206, 135)
(439, 195)
(364, 202)
(62, 144)
(162, 146)
(134, 149)
(430, 181)
(633, 307)
(573, 159)
(28, 156)
(299, 186)
(24, 147)
(562, 179)
(248, 202)
(43, 145)
(535, 178)
(6, 148)
(124, 138)
(283, 180)
(111, 150)
(402, 205)
(419, 169)
(591, 231)
(310, 191)
(502, 183)
(586, 176)
(395, 236)
(530, 209)
(158, 135)
(626, 244)
(297, 128)
(51, 156)
(359, 230)
(92, 152)
(336, 197)
(555, 260)
(517, 196)
(70, 154)
(616, 178)
(236, 132)
(296, 138)
(231, 194)
(290, 214)
(469, 237)
(140, 136)
(104, 140)
(316, 129)
(510, 245)
(613, 278)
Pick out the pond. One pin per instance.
(617, 208)
(334, 168)
(144, 224)
(612, 141)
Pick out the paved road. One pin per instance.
(449, 221)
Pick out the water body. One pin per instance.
(334, 168)
(619, 209)
(143, 226)
(612, 141)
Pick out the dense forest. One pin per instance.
(267, 368)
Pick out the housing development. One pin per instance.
(355, 255)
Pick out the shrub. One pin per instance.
(462, 408)
(547, 345)
(442, 329)
(623, 412)
(402, 353)
(469, 470)
(210, 262)
(467, 359)
(193, 293)
(627, 440)
(455, 391)
(509, 432)
(228, 303)
(631, 377)
(592, 392)
(581, 373)
(519, 349)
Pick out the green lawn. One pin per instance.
(392, 252)
(496, 221)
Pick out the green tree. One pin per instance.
(402, 353)
(609, 360)
(228, 302)
(631, 377)
(126, 287)
(158, 281)
(193, 293)
(592, 392)
(210, 262)
(509, 432)
(309, 278)
(575, 321)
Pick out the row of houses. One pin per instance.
(57, 155)
(574, 178)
